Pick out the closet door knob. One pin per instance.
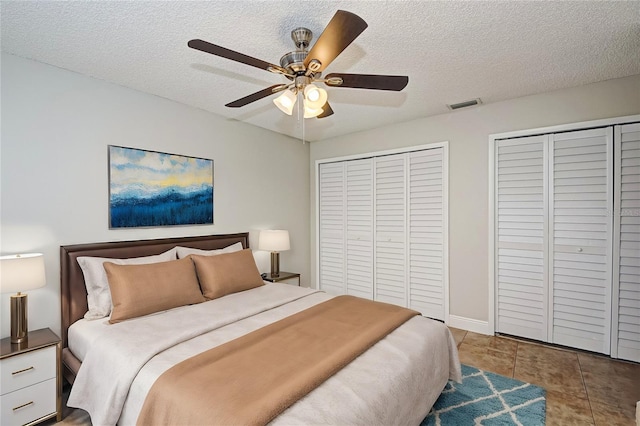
(579, 249)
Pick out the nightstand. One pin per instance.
(283, 276)
(31, 379)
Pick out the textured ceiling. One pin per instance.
(452, 51)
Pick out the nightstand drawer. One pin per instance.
(28, 404)
(26, 369)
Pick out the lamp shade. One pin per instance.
(274, 240)
(286, 101)
(21, 272)
(314, 97)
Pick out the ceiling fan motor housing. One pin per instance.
(294, 61)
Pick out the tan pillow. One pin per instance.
(138, 290)
(227, 273)
(95, 279)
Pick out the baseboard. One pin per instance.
(470, 324)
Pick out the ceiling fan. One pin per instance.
(304, 67)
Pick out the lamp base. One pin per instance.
(275, 264)
(19, 327)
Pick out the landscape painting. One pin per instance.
(148, 188)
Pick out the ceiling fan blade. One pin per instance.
(326, 111)
(214, 49)
(368, 81)
(257, 96)
(343, 28)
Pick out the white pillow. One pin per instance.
(186, 251)
(95, 279)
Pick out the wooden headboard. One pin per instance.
(73, 290)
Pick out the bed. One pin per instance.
(395, 381)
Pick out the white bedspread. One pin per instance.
(413, 363)
(82, 334)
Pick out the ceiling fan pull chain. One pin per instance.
(300, 103)
(303, 135)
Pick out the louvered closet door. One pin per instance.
(521, 292)
(359, 222)
(390, 222)
(580, 237)
(626, 318)
(332, 227)
(426, 232)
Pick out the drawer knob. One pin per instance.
(23, 405)
(22, 371)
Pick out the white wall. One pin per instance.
(56, 126)
(468, 132)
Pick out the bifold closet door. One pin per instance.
(521, 207)
(359, 227)
(390, 229)
(382, 229)
(346, 227)
(568, 238)
(581, 201)
(626, 276)
(426, 214)
(332, 203)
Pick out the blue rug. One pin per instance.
(485, 398)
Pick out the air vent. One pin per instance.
(464, 104)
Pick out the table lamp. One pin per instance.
(274, 241)
(20, 272)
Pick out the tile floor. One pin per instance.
(582, 388)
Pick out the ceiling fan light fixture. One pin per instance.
(314, 97)
(285, 102)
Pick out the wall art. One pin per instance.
(148, 188)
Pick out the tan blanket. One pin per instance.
(252, 379)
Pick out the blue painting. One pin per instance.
(148, 188)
